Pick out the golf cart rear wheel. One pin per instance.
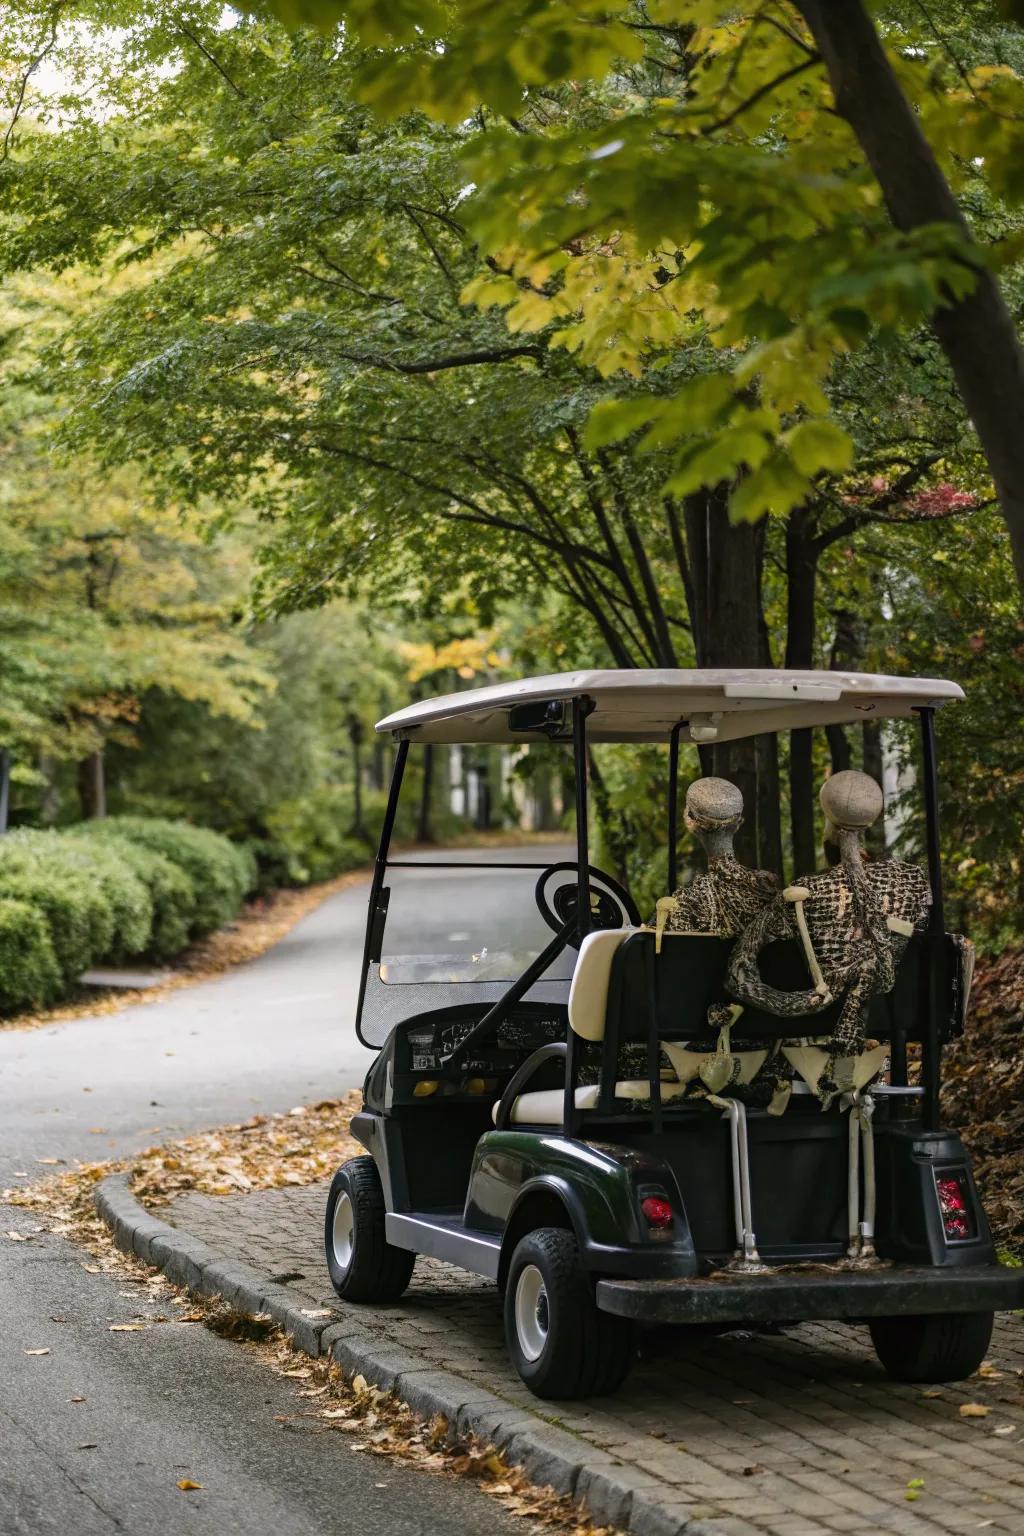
(936, 1347)
(363, 1265)
(560, 1344)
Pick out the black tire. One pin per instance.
(372, 1270)
(937, 1347)
(575, 1350)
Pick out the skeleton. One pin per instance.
(853, 921)
(723, 900)
(727, 896)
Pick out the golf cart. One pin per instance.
(503, 1138)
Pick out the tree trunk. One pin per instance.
(847, 651)
(728, 630)
(977, 333)
(49, 800)
(801, 582)
(5, 789)
(92, 787)
(424, 828)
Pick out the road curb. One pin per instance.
(611, 1493)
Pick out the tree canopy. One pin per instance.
(589, 321)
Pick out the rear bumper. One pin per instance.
(806, 1295)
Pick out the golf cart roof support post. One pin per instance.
(379, 869)
(582, 706)
(936, 919)
(673, 804)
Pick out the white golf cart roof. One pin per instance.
(645, 704)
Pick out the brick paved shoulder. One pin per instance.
(795, 1433)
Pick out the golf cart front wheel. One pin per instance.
(937, 1347)
(362, 1264)
(560, 1343)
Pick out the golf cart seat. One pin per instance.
(598, 995)
(621, 976)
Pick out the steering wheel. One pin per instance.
(611, 905)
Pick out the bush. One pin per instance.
(66, 915)
(106, 891)
(171, 894)
(127, 898)
(35, 867)
(309, 838)
(221, 874)
(29, 973)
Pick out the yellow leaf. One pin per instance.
(141, 1327)
(187, 1485)
(36, 1351)
(973, 1411)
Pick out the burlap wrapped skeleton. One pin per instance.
(853, 923)
(722, 900)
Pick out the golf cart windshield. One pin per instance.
(460, 929)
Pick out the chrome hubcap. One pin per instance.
(532, 1312)
(343, 1229)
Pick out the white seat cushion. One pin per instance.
(588, 993)
(545, 1105)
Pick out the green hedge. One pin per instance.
(109, 891)
(221, 873)
(171, 892)
(29, 971)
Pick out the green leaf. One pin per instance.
(819, 444)
(612, 420)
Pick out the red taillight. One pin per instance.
(954, 1205)
(657, 1212)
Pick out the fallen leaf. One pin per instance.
(187, 1485)
(989, 1372)
(973, 1410)
(51, 1162)
(76, 1399)
(316, 1311)
(141, 1328)
(92, 1269)
(302, 1373)
(752, 1470)
(1004, 1429)
(98, 1130)
(932, 1392)
(87, 1445)
(35, 1351)
(20, 1237)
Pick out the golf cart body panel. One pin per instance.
(507, 1141)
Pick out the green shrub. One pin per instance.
(221, 874)
(29, 972)
(171, 893)
(65, 912)
(37, 867)
(127, 897)
(309, 837)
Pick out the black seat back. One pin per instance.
(689, 975)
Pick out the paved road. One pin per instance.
(178, 1402)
